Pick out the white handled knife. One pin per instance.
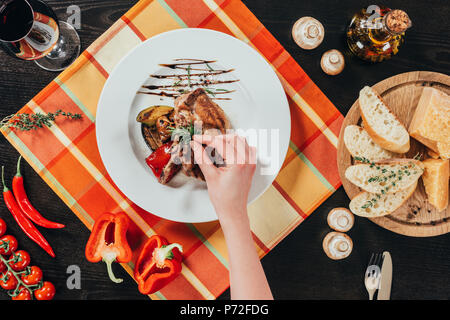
(384, 291)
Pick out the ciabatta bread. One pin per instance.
(432, 154)
(371, 205)
(435, 180)
(381, 124)
(360, 144)
(388, 176)
(443, 149)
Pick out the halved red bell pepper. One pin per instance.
(159, 158)
(108, 241)
(158, 264)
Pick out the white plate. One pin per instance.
(259, 102)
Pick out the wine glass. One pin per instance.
(30, 30)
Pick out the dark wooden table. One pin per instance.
(297, 268)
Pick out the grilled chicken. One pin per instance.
(194, 108)
(198, 107)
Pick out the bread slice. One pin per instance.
(360, 144)
(388, 176)
(432, 154)
(443, 149)
(371, 205)
(381, 124)
(435, 179)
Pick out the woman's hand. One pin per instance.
(228, 187)
(228, 184)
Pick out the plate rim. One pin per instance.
(285, 103)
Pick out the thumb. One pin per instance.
(202, 159)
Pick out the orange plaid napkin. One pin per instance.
(67, 158)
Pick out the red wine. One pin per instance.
(28, 28)
(16, 20)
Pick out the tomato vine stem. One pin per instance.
(15, 292)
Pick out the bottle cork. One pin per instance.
(397, 21)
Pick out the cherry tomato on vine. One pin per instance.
(2, 227)
(2, 267)
(47, 292)
(8, 244)
(33, 277)
(24, 294)
(8, 281)
(21, 260)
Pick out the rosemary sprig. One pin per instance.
(188, 69)
(214, 91)
(209, 91)
(184, 134)
(27, 122)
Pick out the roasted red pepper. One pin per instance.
(159, 158)
(158, 264)
(30, 230)
(25, 204)
(108, 241)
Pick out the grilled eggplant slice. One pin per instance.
(151, 137)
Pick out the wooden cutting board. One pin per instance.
(417, 217)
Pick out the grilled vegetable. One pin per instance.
(151, 137)
(158, 264)
(163, 125)
(151, 114)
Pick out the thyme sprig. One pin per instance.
(27, 122)
(418, 156)
(388, 177)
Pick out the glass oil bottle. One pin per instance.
(376, 33)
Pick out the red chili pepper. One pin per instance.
(25, 204)
(108, 241)
(159, 158)
(158, 264)
(23, 222)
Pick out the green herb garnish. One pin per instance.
(184, 134)
(188, 69)
(27, 122)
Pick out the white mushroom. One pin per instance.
(337, 245)
(332, 62)
(308, 33)
(340, 219)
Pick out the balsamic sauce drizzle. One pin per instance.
(199, 79)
